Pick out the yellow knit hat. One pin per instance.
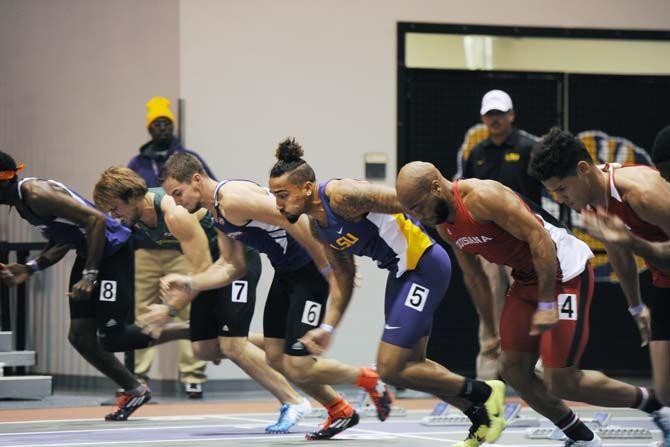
(158, 107)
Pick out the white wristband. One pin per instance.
(34, 266)
(326, 327)
(637, 310)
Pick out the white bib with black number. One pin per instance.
(107, 290)
(567, 306)
(239, 291)
(312, 313)
(417, 297)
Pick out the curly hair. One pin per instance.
(289, 155)
(556, 155)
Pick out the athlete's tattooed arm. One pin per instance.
(341, 278)
(341, 281)
(352, 199)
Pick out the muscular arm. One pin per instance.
(352, 199)
(192, 238)
(477, 283)
(51, 254)
(230, 265)
(501, 206)
(657, 253)
(653, 206)
(623, 264)
(340, 279)
(48, 200)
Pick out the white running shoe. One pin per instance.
(289, 415)
(595, 442)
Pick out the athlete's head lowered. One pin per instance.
(564, 166)
(8, 178)
(420, 188)
(292, 180)
(121, 193)
(183, 178)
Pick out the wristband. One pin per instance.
(172, 312)
(547, 305)
(637, 310)
(90, 274)
(326, 270)
(326, 327)
(34, 266)
(189, 284)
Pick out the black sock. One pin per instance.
(475, 391)
(478, 415)
(646, 401)
(574, 428)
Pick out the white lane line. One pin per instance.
(108, 430)
(154, 441)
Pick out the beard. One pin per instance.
(292, 218)
(441, 212)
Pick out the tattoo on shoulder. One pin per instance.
(363, 198)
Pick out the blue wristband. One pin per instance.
(637, 310)
(544, 305)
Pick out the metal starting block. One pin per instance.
(440, 416)
(600, 423)
(363, 406)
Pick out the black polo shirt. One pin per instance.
(507, 163)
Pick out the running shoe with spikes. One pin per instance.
(128, 403)
(382, 397)
(333, 426)
(289, 415)
(662, 420)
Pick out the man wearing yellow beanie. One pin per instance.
(152, 262)
(160, 123)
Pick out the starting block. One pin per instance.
(363, 406)
(440, 416)
(600, 423)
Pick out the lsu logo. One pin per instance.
(344, 242)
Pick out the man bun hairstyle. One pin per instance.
(289, 155)
(557, 155)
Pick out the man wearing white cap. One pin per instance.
(504, 157)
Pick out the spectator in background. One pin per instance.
(660, 152)
(152, 261)
(153, 154)
(503, 156)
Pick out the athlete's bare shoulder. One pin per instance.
(237, 191)
(637, 183)
(241, 201)
(37, 192)
(484, 197)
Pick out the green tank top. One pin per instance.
(159, 237)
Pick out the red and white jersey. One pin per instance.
(498, 246)
(637, 226)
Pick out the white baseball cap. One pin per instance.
(496, 100)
